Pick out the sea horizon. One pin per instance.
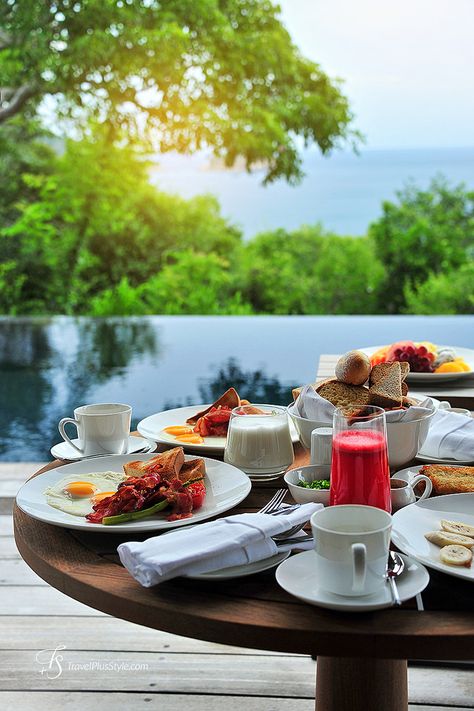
(344, 192)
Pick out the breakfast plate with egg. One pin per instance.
(65, 495)
(171, 427)
(429, 362)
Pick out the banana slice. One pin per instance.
(456, 555)
(463, 529)
(443, 538)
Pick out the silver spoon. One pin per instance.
(395, 566)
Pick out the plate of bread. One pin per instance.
(199, 427)
(69, 495)
(445, 478)
(426, 361)
(358, 383)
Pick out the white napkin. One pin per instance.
(312, 406)
(229, 541)
(450, 436)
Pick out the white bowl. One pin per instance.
(305, 427)
(310, 473)
(405, 439)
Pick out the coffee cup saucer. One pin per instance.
(64, 451)
(297, 575)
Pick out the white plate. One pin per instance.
(412, 522)
(63, 450)
(241, 571)
(226, 487)
(433, 378)
(154, 425)
(297, 576)
(420, 457)
(407, 474)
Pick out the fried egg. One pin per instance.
(77, 496)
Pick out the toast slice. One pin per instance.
(449, 479)
(229, 399)
(192, 470)
(168, 463)
(343, 395)
(380, 371)
(386, 391)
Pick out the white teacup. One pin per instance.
(351, 544)
(402, 493)
(101, 429)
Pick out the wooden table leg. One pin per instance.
(354, 684)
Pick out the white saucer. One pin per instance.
(240, 571)
(297, 576)
(64, 451)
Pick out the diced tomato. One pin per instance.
(198, 494)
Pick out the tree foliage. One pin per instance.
(191, 283)
(450, 293)
(86, 233)
(185, 74)
(94, 221)
(425, 232)
(309, 271)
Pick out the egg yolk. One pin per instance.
(103, 495)
(80, 489)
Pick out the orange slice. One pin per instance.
(453, 366)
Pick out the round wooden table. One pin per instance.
(362, 657)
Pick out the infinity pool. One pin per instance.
(48, 366)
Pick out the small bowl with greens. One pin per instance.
(309, 484)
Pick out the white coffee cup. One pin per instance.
(101, 429)
(402, 493)
(321, 446)
(351, 544)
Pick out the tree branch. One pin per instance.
(18, 99)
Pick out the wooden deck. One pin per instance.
(113, 665)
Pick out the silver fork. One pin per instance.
(274, 503)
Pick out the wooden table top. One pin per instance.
(249, 612)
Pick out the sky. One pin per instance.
(407, 65)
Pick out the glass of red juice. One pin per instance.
(359, 470)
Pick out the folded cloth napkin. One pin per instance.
(312, 406)
(229, 541)
(450, 436)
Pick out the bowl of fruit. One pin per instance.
(427, 361)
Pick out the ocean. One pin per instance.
(344, 192)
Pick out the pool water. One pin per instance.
(49, 366)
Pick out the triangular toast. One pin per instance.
(387, 391)
(192, 470)
(229, 399)
(168, 463)
(381, 371)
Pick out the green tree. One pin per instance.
(308, 271)
(22, 150)
(425, 232)
(190, 283)
(451, 293)
(184, 74)
(95, 221)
